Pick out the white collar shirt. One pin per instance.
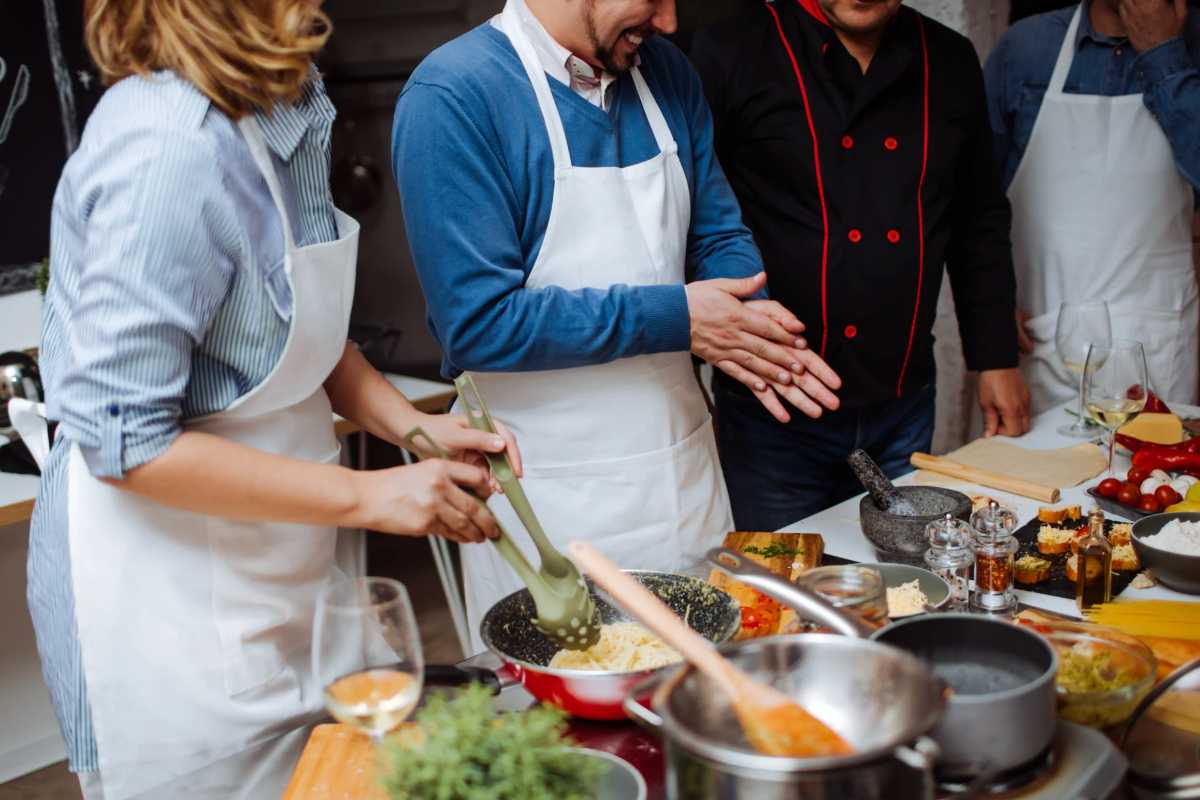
(591, 84)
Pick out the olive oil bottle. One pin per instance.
(1093, 582)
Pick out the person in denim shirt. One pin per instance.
(1103, 183)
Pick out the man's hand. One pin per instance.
(748, 334)
(1024, 340)
(1149, 23)
(1004, 398)
(758, 343)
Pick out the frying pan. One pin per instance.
(508, 631)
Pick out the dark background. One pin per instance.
(36, 146)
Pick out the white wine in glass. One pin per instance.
(1115, 386)
(367, 653)
(1080, 325)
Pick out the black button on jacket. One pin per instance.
(856, 223)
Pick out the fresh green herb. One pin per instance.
(774, 550)
(465, 750)
(43, 275)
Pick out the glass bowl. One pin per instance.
(1102, 673)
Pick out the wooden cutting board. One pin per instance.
(338, 763)
(762, 616)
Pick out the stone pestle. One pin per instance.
(882, 491)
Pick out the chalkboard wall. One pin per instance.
(48, 87)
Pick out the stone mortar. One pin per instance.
(902, 538)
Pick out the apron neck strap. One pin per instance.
(511, 24)
(253, 134)
(654, 115)
(1066, 55)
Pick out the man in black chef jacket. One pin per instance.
(856, 137)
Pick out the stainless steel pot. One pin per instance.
(18, 378)
(882, 700)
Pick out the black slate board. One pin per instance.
(1057, 584)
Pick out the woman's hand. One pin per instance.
(435, 497)
(453, 433)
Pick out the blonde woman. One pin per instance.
(194, 348)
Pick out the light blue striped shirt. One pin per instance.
(168, 300)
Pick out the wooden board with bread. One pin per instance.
(786, 554)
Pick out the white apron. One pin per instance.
(620, 454)
(1101, 212)
(195, 630)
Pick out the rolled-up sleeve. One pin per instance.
(154, 228)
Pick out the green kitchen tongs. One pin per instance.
(565, 611)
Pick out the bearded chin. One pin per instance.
(601, 53)
(606, 57)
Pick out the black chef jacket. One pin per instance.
(856, 247)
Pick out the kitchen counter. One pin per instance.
(18, 491)
(843, 535)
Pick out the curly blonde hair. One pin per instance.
(243, 54)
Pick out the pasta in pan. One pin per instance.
(622, 647)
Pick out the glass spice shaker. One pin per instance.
(950, 558)
(994, 547)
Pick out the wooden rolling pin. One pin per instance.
(983, 477)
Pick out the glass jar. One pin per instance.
(950, 557)
(994, 547)
(850, 587)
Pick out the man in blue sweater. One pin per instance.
(1096, 116)
(577, 243)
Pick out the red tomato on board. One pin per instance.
(1166, 496)
(1109, 487)
(1129, 495)
(1149, 504)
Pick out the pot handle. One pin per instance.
(446, 675)
(802, 600)
(638, 712)
(920, 756)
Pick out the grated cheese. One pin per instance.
(906, 599)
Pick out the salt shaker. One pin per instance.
(994, 547)
(950, 558)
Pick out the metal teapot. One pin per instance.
(19, 377)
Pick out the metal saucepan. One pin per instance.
(1001, 711)
(882, 700)
(508, 631)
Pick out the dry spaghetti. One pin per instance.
(1162, 618)
(622, 647)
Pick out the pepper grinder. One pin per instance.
(994, 548)
(950, 557)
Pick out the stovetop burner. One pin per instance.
(1013, 782)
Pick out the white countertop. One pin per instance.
(840, 527)
(18, 491)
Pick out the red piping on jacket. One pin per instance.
(817, 165)
(912, 331)
(815, 10)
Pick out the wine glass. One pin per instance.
(1115, 386)
(1080, 325)
(367, 653)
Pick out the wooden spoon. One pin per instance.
(774, 723)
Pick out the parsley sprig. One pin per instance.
(466, 750)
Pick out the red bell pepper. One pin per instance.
(1135, 445)
(1154, 457)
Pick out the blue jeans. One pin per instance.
(778, 474)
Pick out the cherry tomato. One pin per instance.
(1109, 487)
(1166, 496)
(1149, 504)
(1138, 474)
(1129, 495)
